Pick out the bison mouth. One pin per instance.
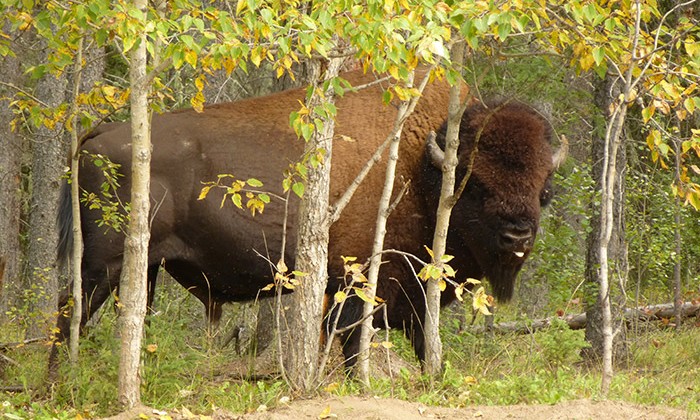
(503, 272)
(509, 250)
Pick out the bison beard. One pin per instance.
(213, 252)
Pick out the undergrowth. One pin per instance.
(184, 367)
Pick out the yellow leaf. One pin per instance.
(326, 413)
(362, 295)
(199, 82)
(240, 6)
(339, 296)
(692, 47)
(442, 285)
(151, 348)
(481, 301)
(281, 267)
(459, 291)
(191, 58)
(204, 192)
(197, 102)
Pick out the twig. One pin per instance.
(5, 359)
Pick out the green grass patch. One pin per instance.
(182, 367)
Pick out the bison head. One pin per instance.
(495, 221)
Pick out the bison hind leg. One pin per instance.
(335, 321)
(415, 335)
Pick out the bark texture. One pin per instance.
(367, 331)
(606, 262)
(301, 364)
(49, 149)
(433, 344)
(11, 145)
(133, 280)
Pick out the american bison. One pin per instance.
(212, 251)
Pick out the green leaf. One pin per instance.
(362, 295)
(298, 189)
(255, 183)
(598, 55)
(237, 200)
(503, 31)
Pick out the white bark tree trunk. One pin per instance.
(132, 284)
(366, 329)
(304, 318)
(433, 345)
(77, 258)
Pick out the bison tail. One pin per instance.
(64, 220)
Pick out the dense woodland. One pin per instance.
(617, 79)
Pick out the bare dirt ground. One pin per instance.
(357, 408)
(372, 408)
(369, 408)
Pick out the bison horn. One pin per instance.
(437, 156)
(559, 156)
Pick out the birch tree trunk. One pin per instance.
(304, 318)
(366, 329)
(606, 241)
(77, 258)
(133, 279)
(678, 241)
(433, 344)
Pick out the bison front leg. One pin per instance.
(413, 331)
(351, 348)
(94, 295)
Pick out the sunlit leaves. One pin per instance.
(481, 301)
(357, 283)
(236, 191)
(114, 213)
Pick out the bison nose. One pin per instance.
(516, 238)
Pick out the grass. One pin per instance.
(182, 368)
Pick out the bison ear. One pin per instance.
(559, 156)
(437, 156)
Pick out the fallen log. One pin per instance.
(578, 321)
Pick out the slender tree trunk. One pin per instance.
(433, 343)
(606, 240)
(301, 364)
(11, 146)
(133, 282)
(367, 329)
(678, 242)
(77, 257)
